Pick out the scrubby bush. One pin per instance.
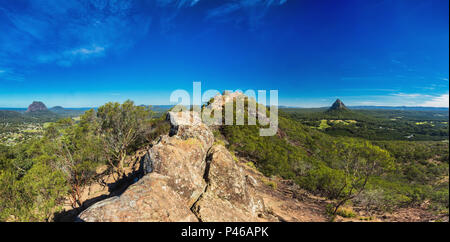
(36, 176)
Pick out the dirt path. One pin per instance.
(286, 201)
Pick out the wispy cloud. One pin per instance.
(65, 32)
(66, 58)
(95, 50)
(75, 31)
(418, 99)
(250, 11)
(410, 95)
(9, 75)
(177, 3)
(223, 10)
(437, 101)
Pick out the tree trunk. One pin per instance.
(121, 165)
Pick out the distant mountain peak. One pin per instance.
(36, 106)
(338, 105)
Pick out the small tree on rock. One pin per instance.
(120, 125)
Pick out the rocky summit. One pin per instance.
(338, 105)
(36, 106)
(187, 178)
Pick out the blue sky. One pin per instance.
(87, 52)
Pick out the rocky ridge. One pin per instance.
(187, 178)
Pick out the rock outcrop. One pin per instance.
(230, 195)
(36, 106)
(338, 105)
(256, 112)
(188, 179)
(153, 198)
(220, 100)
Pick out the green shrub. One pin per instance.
(270, 183)
(251, 164)
(346, 212)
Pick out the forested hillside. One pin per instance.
(375, 124)
(404, 173)
(37, 175)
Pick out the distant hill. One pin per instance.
(339, 111)
(34, 116)
(36, 106)
(404, 108)
(57, 109)
(42, 116)
(38, 112)
(11, 116)
(338, 105)
(68, 112)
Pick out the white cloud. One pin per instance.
(437, 101)
(423, 100)
(253, 10)
(67, 57)
(47, 32)
(411, 95)
(88, 51)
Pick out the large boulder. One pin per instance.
(175, 164)
(184, 162)
(220, 102)
(186, 125)
(181, 155)
(230, 195)
(153, 198)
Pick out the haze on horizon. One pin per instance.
(83, 53)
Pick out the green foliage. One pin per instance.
(324, 180)
(120, 126)
(155, 128)
(34, 196)
(251, 165)
(77, 150)
(46, 188)
(346, 212)
(37, 175)
(272, 184)
(379, 176)
(376, 124)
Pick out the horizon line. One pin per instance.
(282, 106)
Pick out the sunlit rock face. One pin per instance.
(151, 199)
(187, 179)
(230, 195)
